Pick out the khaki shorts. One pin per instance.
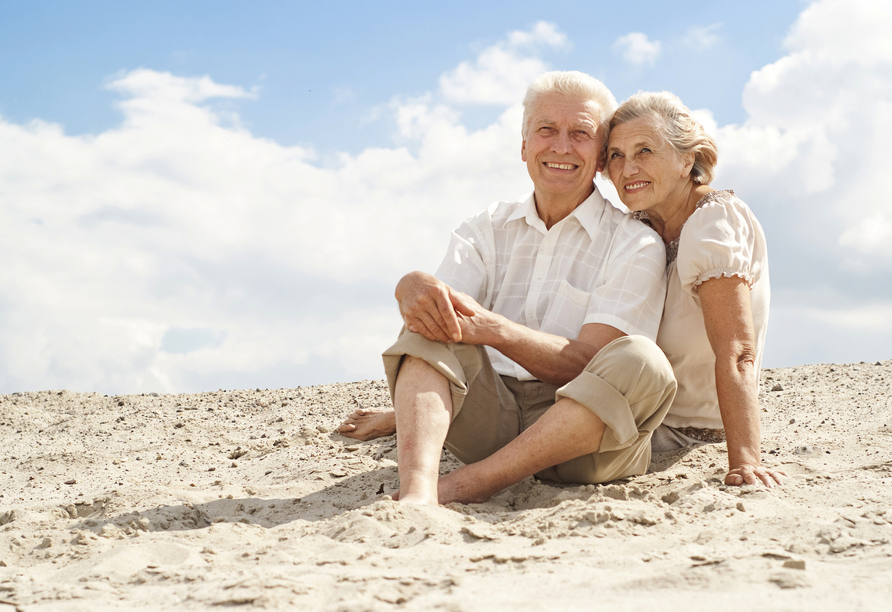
(629, 385)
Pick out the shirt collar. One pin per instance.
(587, 214)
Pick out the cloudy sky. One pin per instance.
(209, 195)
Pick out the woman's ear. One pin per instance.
(689, 159)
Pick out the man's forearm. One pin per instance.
(551, 359)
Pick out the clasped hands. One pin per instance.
(439, 313)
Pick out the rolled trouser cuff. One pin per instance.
(460, 364)
(608, 404)
(630, 386)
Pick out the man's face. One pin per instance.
(562, 147)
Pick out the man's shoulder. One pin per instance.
(620, 226)
(500, 212)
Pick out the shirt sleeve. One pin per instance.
(634, 289)
(464, 267)
(719, 239)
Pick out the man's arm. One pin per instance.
(439, 313)
(549, 358)
(430, 307)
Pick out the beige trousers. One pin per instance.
(629, 385)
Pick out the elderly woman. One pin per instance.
(713, 329)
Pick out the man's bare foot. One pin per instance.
(420, 500)
(467, 485)
(461, 485)
(368, 424)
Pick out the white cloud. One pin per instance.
(543, 33)
(157, 86)
(702, 38)
(809, 160)
(180, 252)
(501, 73)
(637, 49)
(280, 272)
(817, 118)
(839, 32)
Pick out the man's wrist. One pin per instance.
(502, 332)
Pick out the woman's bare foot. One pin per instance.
(368, 424)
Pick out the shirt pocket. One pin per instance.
(567, 311)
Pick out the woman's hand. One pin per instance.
(753, 474)
(729, 326)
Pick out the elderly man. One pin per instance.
(531, 351)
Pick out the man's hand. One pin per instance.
(431, 308)
(480, 326)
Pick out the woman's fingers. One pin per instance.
(754, 475)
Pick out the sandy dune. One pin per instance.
(247, 499)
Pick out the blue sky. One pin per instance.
(333, 63)
(218, 194)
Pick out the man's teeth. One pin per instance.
(636, 185)
(560, 166)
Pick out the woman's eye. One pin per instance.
(646, 150)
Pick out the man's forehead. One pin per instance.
(550, 107)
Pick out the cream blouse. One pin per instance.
(721, 238)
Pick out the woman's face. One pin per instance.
(645, 169)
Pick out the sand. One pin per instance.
(249, 499)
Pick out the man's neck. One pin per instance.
(553, 209)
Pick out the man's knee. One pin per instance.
(635, 366)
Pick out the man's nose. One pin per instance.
(561, 144)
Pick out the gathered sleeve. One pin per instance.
(722, 238)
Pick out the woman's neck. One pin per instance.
(669, 216)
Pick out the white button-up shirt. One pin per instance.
(597, 265)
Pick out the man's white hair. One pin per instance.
(573, 84)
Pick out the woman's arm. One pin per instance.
(729, 327)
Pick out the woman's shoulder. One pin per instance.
(719, 207)
(721, 234)
(720, 198)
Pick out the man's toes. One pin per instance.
(347, 427)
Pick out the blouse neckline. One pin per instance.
(672, 247)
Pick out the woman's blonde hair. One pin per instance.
(673, 120)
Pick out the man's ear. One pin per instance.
(602, 160)
(523, 150)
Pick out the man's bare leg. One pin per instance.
(365, 424)
(567, 430)
(423, 409)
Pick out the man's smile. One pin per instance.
(561, 166)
